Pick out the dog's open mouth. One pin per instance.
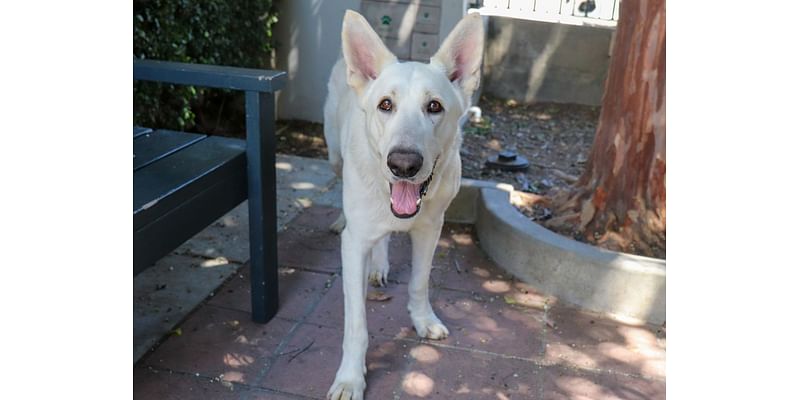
(406, 197)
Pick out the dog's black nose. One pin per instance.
(404, 163)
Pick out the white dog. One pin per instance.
(393, 136)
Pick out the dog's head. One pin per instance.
(412, 109)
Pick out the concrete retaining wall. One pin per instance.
(536, 61)
(616, 284)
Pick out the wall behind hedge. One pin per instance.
(207, 32)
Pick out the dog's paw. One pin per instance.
(338, 225)
(347, 389)
(379, 276)
(430, 328)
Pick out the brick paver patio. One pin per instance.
(506, 340)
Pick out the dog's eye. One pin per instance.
(434, 107)
(385, 105)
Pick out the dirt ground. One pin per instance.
(554, 138)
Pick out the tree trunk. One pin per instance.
(620, 200)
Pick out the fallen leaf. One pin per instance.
(378, 296)
(234, 324)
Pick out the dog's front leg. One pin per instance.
(423, 240)
(350, 382)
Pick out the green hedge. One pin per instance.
(232, 33)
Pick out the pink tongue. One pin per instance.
(404, 197)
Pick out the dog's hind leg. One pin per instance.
(335, 158)
(423, 240)
(378, 268)
(332, 130)
(338, 225)
(336, 163)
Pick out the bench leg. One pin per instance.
(262, 204)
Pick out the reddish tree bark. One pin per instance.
(620, 200)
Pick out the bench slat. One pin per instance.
(170, 230)
(156, 145)
(170, 181)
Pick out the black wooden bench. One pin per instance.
(182, 182)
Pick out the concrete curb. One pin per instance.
(616, 284)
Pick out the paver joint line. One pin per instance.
(290, 335)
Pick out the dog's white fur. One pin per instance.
(359, 138)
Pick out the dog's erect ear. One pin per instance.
(364, 52)
(462, 52)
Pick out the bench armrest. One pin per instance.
(259, 87)
(214, 76)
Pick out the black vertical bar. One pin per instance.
(262, 204)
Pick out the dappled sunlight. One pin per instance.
(615, 351)
(654, 367)
(481, 272)
(302, 185)
(214, 262)
(525, 199)
(501, 345)
(236, 360)
(530, 300)
(425, 354)
(499, 50)
(479, 337)
(637, 336)
(585, 385)
(523, 388)
(587, 341)
(486, 324)
(444, 243)
(533, 322)
(407, 25)
(242, 339)
(463, 239)
(539, 68)
(303, 202)
(505, 187)
(578, 388)
(652, 357)
(463, 389)
(233, 376)
(228, 221)
(284, 166)
(476, 325)
(570, 353)
(462, 309)
(417, 384)
(496, 286)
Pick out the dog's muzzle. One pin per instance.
(405, 198)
